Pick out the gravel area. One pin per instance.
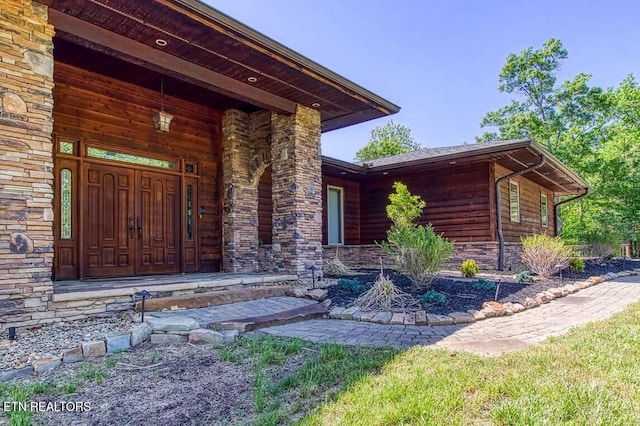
(51, 340)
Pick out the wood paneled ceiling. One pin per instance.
(205, 49)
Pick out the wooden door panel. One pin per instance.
(109, 204)
(159, 212)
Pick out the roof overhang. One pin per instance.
(210, 49)
(514, 155)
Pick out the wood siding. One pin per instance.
(530, 219)
(97, 109)
(351, 194)
(458, 202)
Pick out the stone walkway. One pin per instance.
(238, 310)
(489, 337)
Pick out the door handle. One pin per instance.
(139, 219)
(131, 228)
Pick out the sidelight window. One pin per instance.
(544, 210)
(514, 201)
(66, 192)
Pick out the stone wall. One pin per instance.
(26, 163)
(484, 253)
(246, 154)
(297, 191)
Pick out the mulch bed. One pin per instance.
(460, 294)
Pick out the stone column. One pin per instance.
(26, 163)
(244, 139)
(297, 191)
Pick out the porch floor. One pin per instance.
(125, 286)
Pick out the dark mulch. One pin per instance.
(460, 294)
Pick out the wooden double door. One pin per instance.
(131, 221)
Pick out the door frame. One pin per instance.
(187, 169)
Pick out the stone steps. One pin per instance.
(215, 298)
(303, 313)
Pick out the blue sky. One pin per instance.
(440, 60)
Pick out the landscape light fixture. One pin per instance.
(162, 119)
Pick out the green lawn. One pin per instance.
(590, 376)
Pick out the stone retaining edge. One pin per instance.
(489, 309)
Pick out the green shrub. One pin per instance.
(469, 268)
(349, 285)
(484, 285)
(545, 255)
(576, 265)
(523, 277)
(433, 297)
(419, 253)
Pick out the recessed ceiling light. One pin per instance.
(315, 105)
(160, 42)
(252, 79)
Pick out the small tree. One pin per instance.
(418, 251)
(390, 139)
(545, 255)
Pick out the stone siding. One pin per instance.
(26, 163)
(297, 191)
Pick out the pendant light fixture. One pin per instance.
(162, 119)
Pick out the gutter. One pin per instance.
(543, 158)
(555, 207)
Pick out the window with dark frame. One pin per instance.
(544, 210)
(514, 201)
(335, 215)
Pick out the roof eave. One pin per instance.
(268, 43)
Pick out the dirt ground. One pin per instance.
(186, 385)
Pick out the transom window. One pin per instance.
(514, 201)
(335, 215)
(129, 158)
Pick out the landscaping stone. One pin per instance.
(433, 319)
(206, 336)
(228, 336)
(140, 333)
(72, 355)
(508, 308)
(550, 295)
(44, 365)
(316, 294)
(347, 314)
(542, 298)
(382, 318)
(530, 303)
(557, 292)
(93, 349)
(517, 307)
(495, 307)
(410, 318)
(357, 316)
(397, 318)
(583, 284)
(461, 317)
(595, 280)
(118, 342)
(168, 339)
(421, 318)
(173, 323)
(368, 316)
(571, 288)
(326, 303)
(16, 374)
(477, 315)
(297, 292)
(335, 312)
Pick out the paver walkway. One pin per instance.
(232, 311)
(488, 337)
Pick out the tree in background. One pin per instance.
(386, 140)
(596, 132)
